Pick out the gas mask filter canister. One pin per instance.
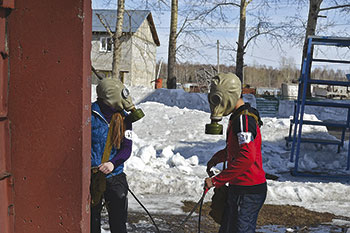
(225, 91)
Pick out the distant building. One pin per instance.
(194, 87)
(268, 91)
(140, 40)
(289, 90)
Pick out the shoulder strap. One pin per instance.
(108, 146)
(246, 112)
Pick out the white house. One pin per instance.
(140, 40)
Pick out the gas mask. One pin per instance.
(225, 91)
(115, 94)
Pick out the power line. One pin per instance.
(237, 27)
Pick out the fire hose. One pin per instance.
(199, 203)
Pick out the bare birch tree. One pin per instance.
(171, 81)
(202, 14)
(116, 39)
(241, 37)
(245, 37)
(313, 15)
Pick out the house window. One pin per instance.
(106, 44)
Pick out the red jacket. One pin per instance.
(242, 152)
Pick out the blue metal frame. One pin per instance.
(298, 116)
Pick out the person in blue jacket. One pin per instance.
(113, 103)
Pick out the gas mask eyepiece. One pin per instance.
(135, 114)
(215, 99)
(125, 93)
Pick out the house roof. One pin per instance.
(131, 23)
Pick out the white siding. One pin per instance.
(144, 57)
(100, 60)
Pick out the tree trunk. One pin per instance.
(171, 81)
(314, 10)
(117, 39)
(241, 37)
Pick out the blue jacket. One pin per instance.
(99, 132)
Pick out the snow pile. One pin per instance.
(313, 157)
(179, 98)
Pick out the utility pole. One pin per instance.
(218, 55)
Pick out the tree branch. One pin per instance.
(105, 25)
(206, 13)
(258, 33)
(335, 7)
(182, 27)
(97, 74)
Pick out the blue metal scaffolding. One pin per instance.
(298, 117)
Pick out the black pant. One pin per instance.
(241, 212)
(117, 205)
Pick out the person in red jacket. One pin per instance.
(244, 172)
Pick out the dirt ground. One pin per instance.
(284, 215)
